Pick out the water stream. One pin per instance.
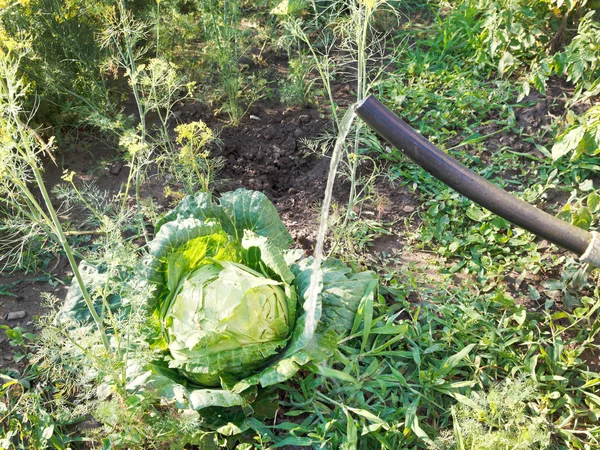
(313, 314)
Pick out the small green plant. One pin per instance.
(581, 138)
(124, 36)
(580, 59)
(24, 421)
(320, 49)
(24, 244)
(294, 90)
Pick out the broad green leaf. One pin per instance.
(465, 400)
(369, 416)
(412, 421)
(586, 145)
(593, 202)
(75, 310)
(48, 432)
(477, 214)
(342, 292)
(270, 255)
(235, 212)
(199, 206)
(253, 211)
(520, 315)
(505, 63)
(568, 142)
(582, 218)
(204, 398)
(460, 443)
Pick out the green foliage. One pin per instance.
(424, 364)
(508, 35)
(294, 90)
(397, 377)
(582, 206)
(226, 42)
(484, 244)
(63, 64)
(581, 138)
(580, 59)
(443, 102)
(497, 420)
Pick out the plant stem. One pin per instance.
(157, 26)
(57, 227)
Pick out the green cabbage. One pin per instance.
(227, 306)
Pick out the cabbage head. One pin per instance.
(225, 301)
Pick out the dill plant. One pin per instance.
(226, 42)
(20, 155)
(64, 58)
(497, 420)
(192, 164)
(295, 89)
(351, 49)
(156, 87)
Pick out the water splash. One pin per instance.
(313, 314)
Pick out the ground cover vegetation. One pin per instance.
(176, 309)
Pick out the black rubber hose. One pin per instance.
(467, 182)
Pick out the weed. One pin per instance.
(581, 138)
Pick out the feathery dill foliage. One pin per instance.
(23, 230)
(341, 40)
(76, 377)
(497, 419)
(63, 62)
(79, 382)
(22, 146)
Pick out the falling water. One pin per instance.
(310, 305)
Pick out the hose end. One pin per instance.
(592, 253)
